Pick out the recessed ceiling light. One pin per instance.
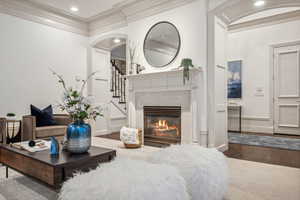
(117, 40)
(259, 3)
(74, 9)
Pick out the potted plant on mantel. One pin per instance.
(80, 109)
(11, 116)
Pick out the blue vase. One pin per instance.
(78, 137)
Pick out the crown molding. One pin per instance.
(141, 9)
(61, 12)
(119, 16)
(29, 12)
(266, 21)
(134, 11)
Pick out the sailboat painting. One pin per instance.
(235, 79)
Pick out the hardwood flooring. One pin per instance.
(268, 155)
(114, 136)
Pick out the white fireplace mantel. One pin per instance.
(166, 88)
(164, 80)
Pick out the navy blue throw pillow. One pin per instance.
(43, 117)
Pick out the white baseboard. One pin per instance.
(100, 132)
(203, 138)
(118, 118)
(258, 129)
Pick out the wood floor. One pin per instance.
(268, 155)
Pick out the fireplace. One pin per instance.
(162, 125)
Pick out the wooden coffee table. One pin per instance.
(52, 171)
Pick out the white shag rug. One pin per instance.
(248, 180)
(205, 170)
(127, 179)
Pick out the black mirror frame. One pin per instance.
(179, 46)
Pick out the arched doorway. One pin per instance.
(232, 14)
(107, 56)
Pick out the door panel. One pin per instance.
(101, 88)
(287, 74)
(289, 115)
(220, 84)
(221, 105)
(287, 90)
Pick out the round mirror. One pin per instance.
(162, 44)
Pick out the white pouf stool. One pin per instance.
(125, 179)
(204, 170)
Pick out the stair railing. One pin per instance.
(118, 83)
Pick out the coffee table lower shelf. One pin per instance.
(53, 171)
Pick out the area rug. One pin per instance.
(248, 180)
(265, 141)
(19, 187)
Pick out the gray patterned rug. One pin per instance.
(19, 187)
(265, 141)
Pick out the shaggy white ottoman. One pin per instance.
(125, 179)
(205, 170)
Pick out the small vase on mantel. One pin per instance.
(131, 68)
(78, 137)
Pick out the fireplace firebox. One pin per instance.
(162, 125)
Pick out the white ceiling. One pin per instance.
(266, 13)
(109, 44)
(234, 10)
(87, 8)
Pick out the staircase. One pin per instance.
(118, 111)
(118, 86)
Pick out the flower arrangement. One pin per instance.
(79, 107)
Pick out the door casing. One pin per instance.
(272, 76)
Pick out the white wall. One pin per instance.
(27, 51)
(253, 48)
(191, 22)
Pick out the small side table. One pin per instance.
(13, 134)
(239, 108)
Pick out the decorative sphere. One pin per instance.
(31, 143)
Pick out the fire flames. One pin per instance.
(162, 124)
(162, 128)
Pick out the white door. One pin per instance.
(220, 85)
(287, 90)
(101, 88)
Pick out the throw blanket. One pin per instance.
(129, 135)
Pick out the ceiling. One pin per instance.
(92, 17)
(234, 10)
(266, 13)
(109, 44)
(87, 8)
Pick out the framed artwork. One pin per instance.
(235, 79)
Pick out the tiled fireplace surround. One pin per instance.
(167, 89)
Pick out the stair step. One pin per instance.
(122, 102)
(116, 96)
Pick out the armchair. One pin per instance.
(2, 130)
(31, 132)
